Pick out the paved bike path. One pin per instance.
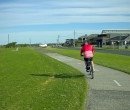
(109, 90)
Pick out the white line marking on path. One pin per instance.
(96, 70)
(117, 82)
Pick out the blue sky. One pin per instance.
(41, 21)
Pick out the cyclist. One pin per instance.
(84, 41)
(87, 51)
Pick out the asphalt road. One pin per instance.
(109, 90)
(120, 52)
(126, 53)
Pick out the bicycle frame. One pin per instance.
(89, 64)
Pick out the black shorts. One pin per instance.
(86, 59)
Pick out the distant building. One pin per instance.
(114, 37)
(69, 42)
(115, 32)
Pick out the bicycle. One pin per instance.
(89, 67)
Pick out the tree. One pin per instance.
(12, 44)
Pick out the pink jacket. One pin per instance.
(88, 50)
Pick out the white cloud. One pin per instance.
(39, 19)
(35, 12)
(64, 12)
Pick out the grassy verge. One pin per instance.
(32, 81)
(118, 62)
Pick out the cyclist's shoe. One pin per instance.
(87, 70)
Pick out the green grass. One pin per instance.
(33, 81)
(119, 62)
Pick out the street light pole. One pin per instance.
(30, 41)
(58, 38)
(8, 38)
(74, 38)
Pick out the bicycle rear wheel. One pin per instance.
(91, 71)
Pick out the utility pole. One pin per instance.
(30, 41)
(8, 38)
(74, 38)
(58, 39)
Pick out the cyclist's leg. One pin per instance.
(92, 63)
(86, 64)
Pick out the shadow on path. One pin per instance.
(59, 75)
